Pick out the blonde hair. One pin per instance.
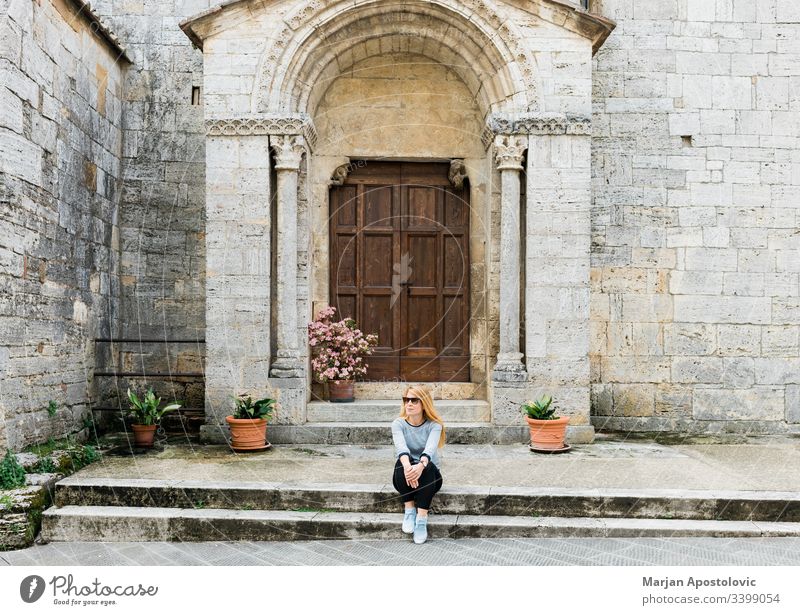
(428, 409)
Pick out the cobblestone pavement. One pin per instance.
(445, 552)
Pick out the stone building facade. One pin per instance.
(633, 243)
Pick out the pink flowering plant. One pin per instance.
(338, 348)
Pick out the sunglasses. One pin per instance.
(412, 400)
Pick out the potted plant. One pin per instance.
(547, 430)
(147, 416)
(248, 423)
(338, 350)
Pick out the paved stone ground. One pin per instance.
(444, 552)
(612, 461)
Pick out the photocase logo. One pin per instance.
(401, 276)
(31, 588)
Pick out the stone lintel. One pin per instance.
(263, 124)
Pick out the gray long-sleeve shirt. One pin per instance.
(416, 440)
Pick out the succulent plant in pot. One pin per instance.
(547, 430)
(147, 416)
(248, 422)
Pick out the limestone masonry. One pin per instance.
(633, 173)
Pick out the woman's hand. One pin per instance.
(412, 474)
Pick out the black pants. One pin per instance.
(430, 481)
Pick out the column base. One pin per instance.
(509, 368)
(287, 367)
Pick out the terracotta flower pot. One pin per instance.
(143, 435)
(247, 434)
(341, 391)
(548, 434)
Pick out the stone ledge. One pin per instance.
(692, 427)
(380, 433)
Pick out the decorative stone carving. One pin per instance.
(262, 124)
(487, 137)
(315, 22)
(509, 151)
(536, 124)
(340, 174)
(457, 173)
(289, 150)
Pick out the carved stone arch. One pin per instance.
(311, 24)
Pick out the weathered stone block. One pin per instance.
(793, 403)
(735, 340)
(695, 370)
(689, 339)
(758, 403)
(755, 310)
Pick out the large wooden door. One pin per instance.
(399, 248)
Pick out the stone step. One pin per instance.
(439, 390)
(132, 524)
(374, 432)
(767, 506)
(379, 410)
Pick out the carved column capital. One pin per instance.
(509, 150)
(289, 150)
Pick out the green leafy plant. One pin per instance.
(52, 408)
(542, 409)
(12, 474)
(83, 455)
(146, 410)
(246, 408)
(45, 466)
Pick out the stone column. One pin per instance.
(509, 150)
(288, 152)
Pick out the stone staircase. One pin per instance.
(118, 509)
(367, 421)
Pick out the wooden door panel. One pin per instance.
(345, 207)
(423, 326)
(420, 370)
(454, 326)
(378, 207)
(378, 253)
(453, 262)
(456, 212)
(421, 250)
(400, 267)
(377, 318)
(346, 263)
(421, 207)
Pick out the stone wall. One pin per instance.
(162, 208)
(696, 253)
(60, 185)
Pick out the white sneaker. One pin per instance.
(421, 530)
(409, 520)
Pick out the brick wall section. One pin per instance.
(60, 182)
(696, 250)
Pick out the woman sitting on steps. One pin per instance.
(418, 434)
